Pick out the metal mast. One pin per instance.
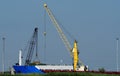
(3, 55)
(117, 64)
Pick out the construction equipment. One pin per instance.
(73, 51)
(31, 45)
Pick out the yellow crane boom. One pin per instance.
(73, 51)
(60, 32)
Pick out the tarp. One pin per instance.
(27, 69)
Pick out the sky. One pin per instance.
(95, 24)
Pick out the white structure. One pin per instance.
(20, 57)
(60, 67)
(12, 71)
(54, 67)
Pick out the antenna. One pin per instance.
(117, 65)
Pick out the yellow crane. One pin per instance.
(73, 51)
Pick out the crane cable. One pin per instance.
(44, 36)
(36, 55)
(67, 32)
(72, 37)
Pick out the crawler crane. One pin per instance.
(33, 44)
(77, 64)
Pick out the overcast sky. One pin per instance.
(95, 24)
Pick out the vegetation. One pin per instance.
(63, 74)
(101, 70)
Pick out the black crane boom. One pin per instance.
(31, 46)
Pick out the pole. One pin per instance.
(117, 65)
(3, 57)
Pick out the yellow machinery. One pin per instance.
(73, 51)
(75, 56)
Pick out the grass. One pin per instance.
(79, 74)
(63, 74)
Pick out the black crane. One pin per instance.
(31, 46)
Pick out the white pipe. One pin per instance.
(20, 57)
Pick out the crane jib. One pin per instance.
(73, 51)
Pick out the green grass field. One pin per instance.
(63, 74)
